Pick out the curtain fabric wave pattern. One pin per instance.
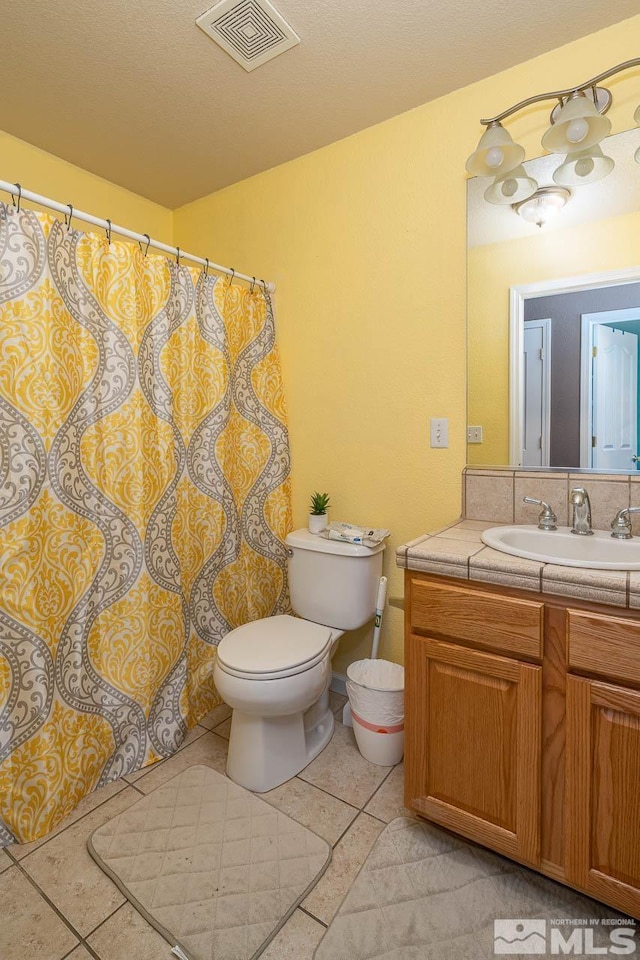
(144, 501)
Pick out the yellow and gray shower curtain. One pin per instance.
(144, 500)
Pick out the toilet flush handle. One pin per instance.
(289, 551)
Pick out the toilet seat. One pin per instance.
(274, 647)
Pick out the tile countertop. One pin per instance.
(458, 551)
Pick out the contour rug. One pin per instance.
(216, 870)
(424, 894)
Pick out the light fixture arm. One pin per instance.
(561, 94)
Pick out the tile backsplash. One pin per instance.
(495, 494)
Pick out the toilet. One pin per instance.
(275, 673)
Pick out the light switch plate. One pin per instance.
(474, 434)
(439, 431)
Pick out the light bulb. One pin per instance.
(509, 187)
(577, 130)
(584, 167)
(494, 158)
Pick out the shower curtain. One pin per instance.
(144, 501)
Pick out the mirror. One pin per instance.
(553, 323)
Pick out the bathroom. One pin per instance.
(355, 209)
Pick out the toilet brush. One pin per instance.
(380, 601)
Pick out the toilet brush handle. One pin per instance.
(382, 595)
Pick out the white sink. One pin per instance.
(561, 546)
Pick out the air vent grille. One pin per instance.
(250, 31)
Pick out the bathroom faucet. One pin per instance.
(579, 499)
(621, 524)
(547, 519)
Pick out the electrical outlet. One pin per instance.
(439, 431)
(474, 434)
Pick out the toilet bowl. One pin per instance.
(275, 673)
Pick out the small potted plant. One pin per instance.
(318, 512)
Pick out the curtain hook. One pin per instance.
(205, 269)
(178, 256)
(230, 280)
(108, 231)
(17, 205)
(146, 249)
(253, 283)
(266, 293)
(68, 217)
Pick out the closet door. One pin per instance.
(473, 746)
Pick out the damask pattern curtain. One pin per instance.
(144, 500)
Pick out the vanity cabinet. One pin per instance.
(523, 728)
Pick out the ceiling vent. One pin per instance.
(250, 31)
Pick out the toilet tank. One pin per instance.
(332, 582)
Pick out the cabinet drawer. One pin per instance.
(609, 646)
(496, 621)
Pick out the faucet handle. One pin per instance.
(621, 523)
(547, 519)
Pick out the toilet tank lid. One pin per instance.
(274, 644)
(304, 540)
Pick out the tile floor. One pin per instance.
(57, 903)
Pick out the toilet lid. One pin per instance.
(274, 646)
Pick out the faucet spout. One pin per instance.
(579, 499)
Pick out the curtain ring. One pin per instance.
(108, 231)
(68, 217)
(230, 280)
(178, 256)
(13, 199)
(253, 283)
(146, 249)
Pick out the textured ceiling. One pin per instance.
(137, 93)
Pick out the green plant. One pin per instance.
(319, 503)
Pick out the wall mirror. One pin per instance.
(554, 321)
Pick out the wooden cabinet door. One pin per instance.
(473, 744)
(603, 791)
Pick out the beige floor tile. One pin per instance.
(80, 953)
(68, 875)
(297, 940)
(5, 861)
(325, 815)
(336, 703)
(342, 771)
(387, 803)
(224, 729)
(348, 857)
(29, 928)
(215, 716)
(86, 805)
(127, 934)
(194, 734)
(209, 749)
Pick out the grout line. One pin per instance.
(312, 915)
(326, 792)
(50, 902)
(112, 914)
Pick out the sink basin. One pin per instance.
(561, 546)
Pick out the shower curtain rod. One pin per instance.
(67, 209)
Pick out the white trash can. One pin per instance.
(376, 697)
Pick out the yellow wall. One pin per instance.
(492, 269)
(366, 241)
(50, 176)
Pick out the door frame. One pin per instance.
(545, 324)
(517, 297)
(589, 321)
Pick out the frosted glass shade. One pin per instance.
(636, 115)
(545, 204)
(578, 113)
(585, 166)
(496, 152)
(511, 187)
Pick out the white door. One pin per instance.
(614, 371)
(537, 399)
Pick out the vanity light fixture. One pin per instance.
(543, 205)
(511, 186)
(578, 125)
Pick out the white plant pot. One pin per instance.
(318, 522)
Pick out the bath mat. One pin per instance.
(214, 869)
(424, 894)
